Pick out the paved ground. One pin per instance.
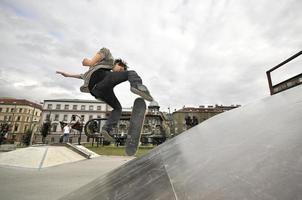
(39, 157)
(54, 182)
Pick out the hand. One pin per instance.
(86, 62)
(62, 73)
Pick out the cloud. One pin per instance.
(187, 52)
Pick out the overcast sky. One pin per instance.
(187, 52)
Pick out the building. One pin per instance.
(188, 117)
(21, 115)
(154, 129)
(62, 110)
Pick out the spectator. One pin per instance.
(66, 131)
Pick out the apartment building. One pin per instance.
(188, 117)
(21, 115)
(62, 110)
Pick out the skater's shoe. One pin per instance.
(142, 91)
(107, 136)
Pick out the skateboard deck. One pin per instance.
(135, 127)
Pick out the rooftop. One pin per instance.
(73, 100)
(12, 101)
(216, 108)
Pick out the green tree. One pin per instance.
(45, 130)
(4, 128)
(27, 136)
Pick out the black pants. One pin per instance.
(105, 81)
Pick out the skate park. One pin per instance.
(252, 152)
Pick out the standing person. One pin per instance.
(66, 131)
(103, 74)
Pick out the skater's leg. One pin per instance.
(137, 86)
(109, 97)
(134, 78)
(115, 114)
(114, 78)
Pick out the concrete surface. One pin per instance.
(39, 157)
(53, 182)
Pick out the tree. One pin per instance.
(45, 130)
(195, 121)
(189, 121)
(4, 128)
(27, 136)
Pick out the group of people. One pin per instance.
(191, 122)
(103, 74)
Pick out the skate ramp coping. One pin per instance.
(82, 150)
(38, 157)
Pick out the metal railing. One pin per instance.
(289, 83)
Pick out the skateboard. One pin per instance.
(135, 127)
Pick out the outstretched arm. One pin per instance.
(65, 74)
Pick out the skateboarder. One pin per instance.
(103, 74)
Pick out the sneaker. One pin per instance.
(107, 136)
(142, 91)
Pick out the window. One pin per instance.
(58, 106)
(56, 117)
(65, 118)
(18, 118)
(82, 107)
(99, 108)
(74, 107)
(48, 117)
(90, 117)
(49, 106)
(90, 107)
(16, 127)
(7, 109)
(99, 116)
(54, 127)
(11, 110)
(10, 118)
(5, 118)
(83, 117)
(20, 110)
(0, 109)
(66, 107)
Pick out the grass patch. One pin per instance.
(117, 151)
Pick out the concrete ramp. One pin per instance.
(39, 157)
(252, 152)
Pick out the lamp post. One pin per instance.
(13, 118)
(30, 127)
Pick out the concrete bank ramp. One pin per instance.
(252, 152)
(38, 157)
